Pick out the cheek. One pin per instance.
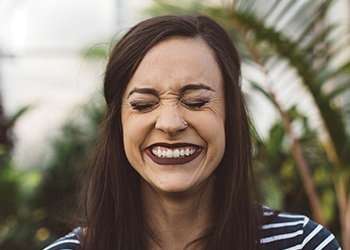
(131, 137)
(135, 131)
(212, 131)
(217, 137)
(219, 144)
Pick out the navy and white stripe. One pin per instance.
(68, 242)
(280, 231)
(293, 232)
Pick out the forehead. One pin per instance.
(177, 61)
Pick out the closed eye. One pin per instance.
(143, 106)
(195, 104)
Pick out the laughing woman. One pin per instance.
(173, 165)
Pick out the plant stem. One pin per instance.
(295, 145)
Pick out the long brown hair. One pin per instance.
(114, 218)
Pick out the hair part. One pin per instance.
(114, 216)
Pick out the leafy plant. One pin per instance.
(39, 204)
(11, 194)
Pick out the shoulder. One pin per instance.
(69, 242)
(292, 231)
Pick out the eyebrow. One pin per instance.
(198, 86)
(189, 87)
(149, 91)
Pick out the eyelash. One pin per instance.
(141, 107)
(195, 105)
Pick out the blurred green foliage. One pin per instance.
(37, 204)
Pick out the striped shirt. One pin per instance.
(293, 231)
(282, 231)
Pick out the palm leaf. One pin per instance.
(288, 49)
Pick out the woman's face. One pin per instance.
(178, 80)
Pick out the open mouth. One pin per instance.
(173, 154)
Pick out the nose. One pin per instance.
(170, 121)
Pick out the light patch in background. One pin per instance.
(42, 64)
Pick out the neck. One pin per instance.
(177, 219)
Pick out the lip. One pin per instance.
(173, 161)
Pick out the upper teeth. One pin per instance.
(173, 153)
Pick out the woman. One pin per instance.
(173, 165)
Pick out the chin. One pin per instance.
(180, 188)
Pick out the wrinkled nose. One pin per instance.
(170, 121)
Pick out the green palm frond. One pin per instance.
(302, 60)
(19, 113)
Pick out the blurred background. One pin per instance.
(296, 78)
